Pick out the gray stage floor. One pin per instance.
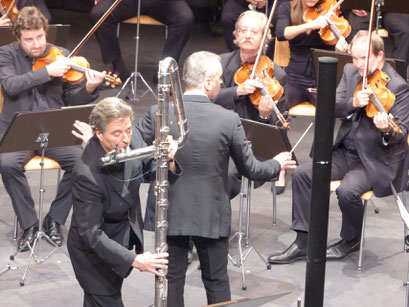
(379, 283)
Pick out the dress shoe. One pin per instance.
(53, 229)
(27, 237)
(291, 254)
(341, 249)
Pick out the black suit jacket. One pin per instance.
(107, 219)
(18, 79)
(199, 203)
(227, 96)
(385, 163)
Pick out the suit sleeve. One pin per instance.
(89, 212)
(245, 161)
(12, 82)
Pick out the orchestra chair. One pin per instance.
(31, 165)
(282, 58)
(365, 197)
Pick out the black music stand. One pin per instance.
(48, 128)
(267, 141)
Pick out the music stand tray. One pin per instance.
(25, 127)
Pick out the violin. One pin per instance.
(261, 70)
(78, 68)
(381, 98)
(264, 70)
(8, 8)
(338, 27)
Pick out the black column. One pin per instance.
(321, 176)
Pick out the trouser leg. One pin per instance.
(66, 157)
(177, 267)
(16, 184)
(213, 264)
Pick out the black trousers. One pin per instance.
(175, 13)
(16, 184)
(40, 4)
(91, 300)
(296, 91)
(213, 264)
(355, 182)
(397, 25)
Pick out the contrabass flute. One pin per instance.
(169, 80)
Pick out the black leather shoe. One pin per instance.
(27, 237)
(53, 230)
(341, 249)
(291, 254)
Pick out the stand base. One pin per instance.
(36, 246)
(133, 84)
(241, 257)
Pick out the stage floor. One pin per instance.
(378, 283)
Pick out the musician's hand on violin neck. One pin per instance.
(381, 122)
(248, 87)
(59, 67)
(361, 98)
(94, 79)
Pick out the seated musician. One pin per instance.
(25, 89)
(249, 30)
(368, 153)
(175, 13)
(302, 36)
(397, 25)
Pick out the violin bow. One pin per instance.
(94, 28)
(368, 49)
(263, 40)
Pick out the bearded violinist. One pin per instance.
(367, 154)
(249, 30)
(25, 89)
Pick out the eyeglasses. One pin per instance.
(243, 31)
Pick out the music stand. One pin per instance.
(267, 141)
(48, 128)
(133, 78)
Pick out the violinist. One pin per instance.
(302, 36)
(367, 155)
(397, 25)
(25, 89)
(249, 30)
